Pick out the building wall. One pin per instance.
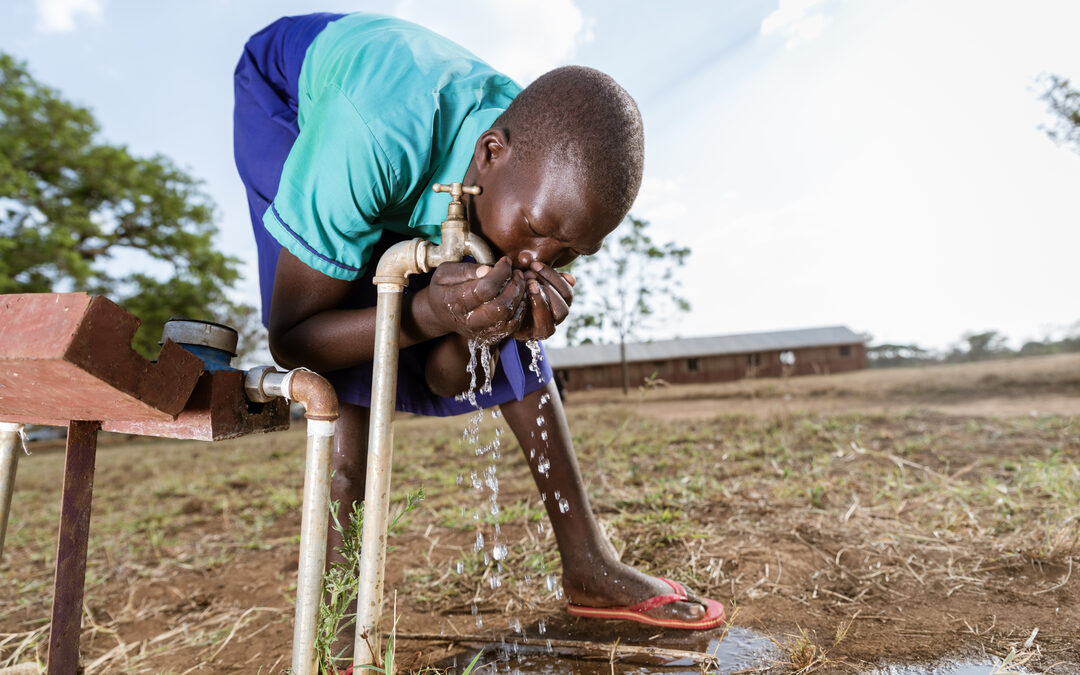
(721, 368)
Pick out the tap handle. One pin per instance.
(456, 190)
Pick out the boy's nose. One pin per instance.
(544, 252)
(525, 259)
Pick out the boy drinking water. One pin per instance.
(342, 125)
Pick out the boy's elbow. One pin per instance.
(280, 350)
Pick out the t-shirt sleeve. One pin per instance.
(335, 183)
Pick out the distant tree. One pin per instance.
(895, 355)
(79, 214)
(626, 289)
(1063, 103)
(980, 347)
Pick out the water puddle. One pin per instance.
(949, 667)
(741, 650)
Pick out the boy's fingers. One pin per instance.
(452, 274)
(543, 321)
(502, 307)
(490, 285)
(555, 280)
(570, 278)
(559, 306)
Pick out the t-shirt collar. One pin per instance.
(430, 209)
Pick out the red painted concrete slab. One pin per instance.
(68, 356)
(218, 409)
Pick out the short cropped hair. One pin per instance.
(582, 119)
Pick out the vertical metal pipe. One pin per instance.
(71, 547)
(10, 438)
(377, 484)
(313, 523)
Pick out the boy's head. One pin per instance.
(559, 168)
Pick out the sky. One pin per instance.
(877, 165)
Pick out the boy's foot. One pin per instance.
(621, 592)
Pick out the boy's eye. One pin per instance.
(531, 228)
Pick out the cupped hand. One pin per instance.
(478, 300)
(549, 296)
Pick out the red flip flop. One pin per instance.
(714, 611)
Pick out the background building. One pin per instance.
(831, 349)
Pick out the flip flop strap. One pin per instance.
(660, 600)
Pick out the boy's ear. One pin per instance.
(492, 147)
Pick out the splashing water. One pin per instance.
(482, 361)
(534, 367)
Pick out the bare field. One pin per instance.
(918, 514)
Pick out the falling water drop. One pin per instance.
(498, 551)
(564, 505)
(534, 366)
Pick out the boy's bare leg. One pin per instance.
(593, 576)
(349, 464)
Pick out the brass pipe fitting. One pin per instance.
(315, 393)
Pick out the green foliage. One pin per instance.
(627, 288)
(78, 214)
(1063, 104)
(341, 584)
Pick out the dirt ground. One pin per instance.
(897, 516)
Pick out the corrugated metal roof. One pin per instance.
(592, 355)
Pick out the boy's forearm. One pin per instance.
(341, 338)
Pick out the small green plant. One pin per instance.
(341, 583)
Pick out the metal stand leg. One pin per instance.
(9, 462)
(71, 548)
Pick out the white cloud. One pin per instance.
(523, 39)
(60, 16)
(660, 201)
(797, 21)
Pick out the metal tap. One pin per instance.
(418, 256)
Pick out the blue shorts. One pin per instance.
(264, 129)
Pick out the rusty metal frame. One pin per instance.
(71, 544)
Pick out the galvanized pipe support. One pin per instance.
(391, 276)
(10, 447)
(316, 394)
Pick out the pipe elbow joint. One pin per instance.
(315, 393)
(401, 260)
